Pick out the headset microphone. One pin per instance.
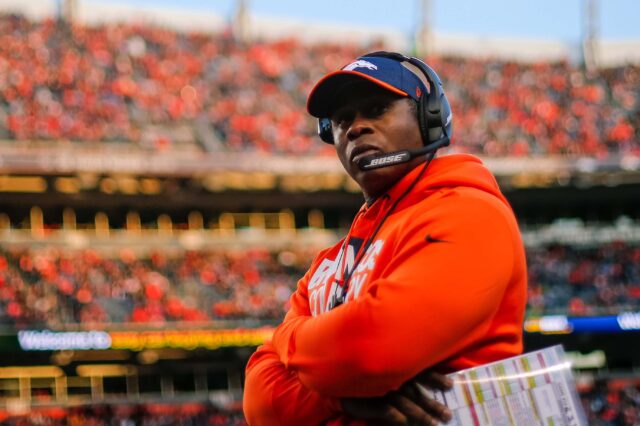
(377, 161)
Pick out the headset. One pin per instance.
(435, 118)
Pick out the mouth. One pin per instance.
(361, 151)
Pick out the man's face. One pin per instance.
(367, 120)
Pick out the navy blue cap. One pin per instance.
(388, 73)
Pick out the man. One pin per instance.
(430, 277)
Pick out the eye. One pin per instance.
(342, 119)
(376, 109)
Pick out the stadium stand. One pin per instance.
(612, 402)
(188, 414)
(609, 403)
(581, 281)
(56, 286)
(160, 89)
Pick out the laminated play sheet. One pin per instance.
(536, 388)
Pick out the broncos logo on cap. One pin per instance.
(360, 63)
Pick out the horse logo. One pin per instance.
(360, 63)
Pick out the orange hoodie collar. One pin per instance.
(449, 170)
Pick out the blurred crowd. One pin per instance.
(607, 403)
(184, 414)
(52, 286)
(159, 89)
(610, 403)
(584, 281)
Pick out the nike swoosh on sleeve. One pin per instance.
(431, 239)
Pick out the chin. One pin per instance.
(377, 182)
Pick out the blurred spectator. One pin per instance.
(606, 403)
(583, 281)
(160, 89)
(152, 414)
(54, 286)
(613, 403)
(51, 286)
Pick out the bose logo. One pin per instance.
(386, 160)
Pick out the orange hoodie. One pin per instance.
(442, 285)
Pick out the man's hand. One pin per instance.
(407, 406)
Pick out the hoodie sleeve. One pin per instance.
(273, 394)
(434, 299)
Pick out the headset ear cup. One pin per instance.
(433, 112)
(435, 126)
(422, 119)
(325, 131)
(430, 121)
(446, 117)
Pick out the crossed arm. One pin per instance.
(433, 301)
(274, 394)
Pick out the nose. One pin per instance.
(359, 126)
